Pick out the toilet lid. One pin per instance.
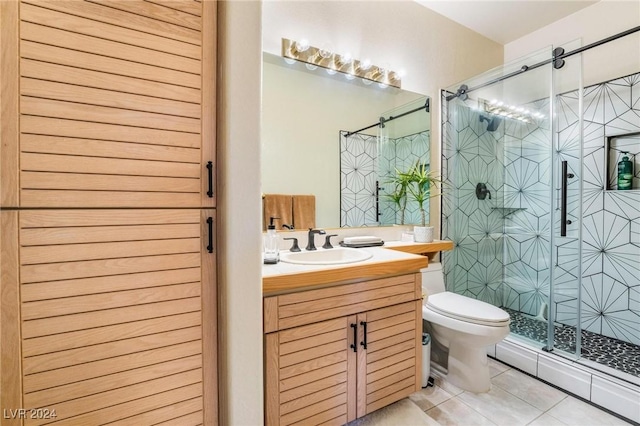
(467, 309)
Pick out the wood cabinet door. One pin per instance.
(389, 358)
(116, 315)
(108, 103)
(310, 374)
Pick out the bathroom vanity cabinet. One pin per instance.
(338, 353)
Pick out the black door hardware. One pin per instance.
(355, 337)
(210, 169)
(563, 200)
(364, 341)
(210, 223)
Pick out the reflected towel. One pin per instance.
(277, 205)
(304, 211)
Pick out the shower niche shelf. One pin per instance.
(617, 147)
(506, 211)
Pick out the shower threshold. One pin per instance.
(616, 355)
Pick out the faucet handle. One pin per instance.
(327, 241)
(294, 247)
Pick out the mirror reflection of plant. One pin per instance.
(400, 182)
(421, 182)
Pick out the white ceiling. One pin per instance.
(506, 20)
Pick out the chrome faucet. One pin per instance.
(311, 244)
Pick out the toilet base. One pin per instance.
(469, 368)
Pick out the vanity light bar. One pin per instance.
(315, 57)
(510, 111)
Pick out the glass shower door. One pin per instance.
(497, 162)
(564, 314)
(526, 205)
(403, 139)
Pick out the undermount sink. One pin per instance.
(334, 256)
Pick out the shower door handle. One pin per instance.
(378, 213)
(563, 200)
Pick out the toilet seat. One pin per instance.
(466, 309)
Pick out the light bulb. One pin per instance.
(366, 81)
(349, 76)
(383, 85)
(290, 61)
(311, 67)
(302, 45)
(365, 65)
(346, 59)
(325, 50)
(331, 71)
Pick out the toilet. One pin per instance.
(463, 326)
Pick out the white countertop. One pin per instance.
(379, 254)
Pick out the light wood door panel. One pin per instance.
(113, 381)
(156, 12)
(108, 297)
(43, 13)
(108, 98)
(192, 8)
(123, 81)
(124, 18)
(67, 38)
(94, 334)
(308, 372)
(108, 149)
(115, 104)
(388, 372)
(105, 64)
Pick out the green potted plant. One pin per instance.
(398, 196)
(422, 181)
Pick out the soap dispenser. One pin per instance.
(271, 254)
(625, 172)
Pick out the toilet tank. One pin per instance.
(432, 279)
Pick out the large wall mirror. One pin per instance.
(307, 149)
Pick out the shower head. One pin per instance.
(492, 122)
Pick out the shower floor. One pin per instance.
(614, 353)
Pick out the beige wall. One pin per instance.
(434, 51)
(239, 238)
(603, 19)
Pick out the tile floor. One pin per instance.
(514, 399)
